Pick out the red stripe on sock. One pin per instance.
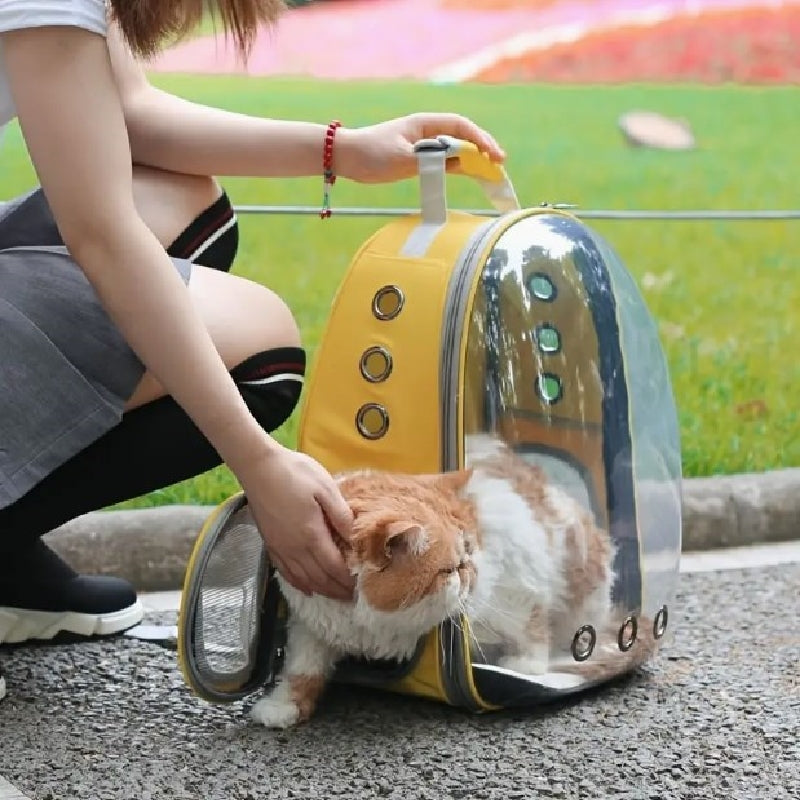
(272, 369)
(212, 227)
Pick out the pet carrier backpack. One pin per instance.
(525, 325)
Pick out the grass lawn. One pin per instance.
(726, 294)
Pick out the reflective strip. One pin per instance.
(281, 376)
(213, 238)
(420, 240)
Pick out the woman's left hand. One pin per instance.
(385, 152)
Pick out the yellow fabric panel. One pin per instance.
(425, 680)
(410, 394)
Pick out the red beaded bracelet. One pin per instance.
(328, 178)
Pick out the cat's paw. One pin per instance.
(525, 665)
(274, 711)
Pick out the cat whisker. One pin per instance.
(486, 626)
(473, 638)
(404, 603)
(497, 611)
(442, 647)
(457, 625)
(477, 645)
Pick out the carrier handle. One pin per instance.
(432, 155)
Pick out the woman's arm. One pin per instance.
(174, 134)
(71, 116)
(179, 136)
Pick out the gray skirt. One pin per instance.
(65, 370)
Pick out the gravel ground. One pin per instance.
(716, 715)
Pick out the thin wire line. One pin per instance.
(611, 214)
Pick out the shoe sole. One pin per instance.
(19, 625)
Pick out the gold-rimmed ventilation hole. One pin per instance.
(541, 287)
(388, 302)
(375, 364)
(372, 421)
(583, 642)
(547, 339)
(628, 633)
(660, 622)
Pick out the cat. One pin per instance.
(496, 542)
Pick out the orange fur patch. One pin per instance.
(305, 691)
(410, 534)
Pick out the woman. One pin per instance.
(131, 358)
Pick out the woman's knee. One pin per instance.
(191, 215)
(262, 349)
(243, 316)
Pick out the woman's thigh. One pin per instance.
(242, 317)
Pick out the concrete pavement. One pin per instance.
(715, 715)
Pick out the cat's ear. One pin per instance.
(454, 481)
(404, 537)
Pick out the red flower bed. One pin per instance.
(499, 5)
(756, 46)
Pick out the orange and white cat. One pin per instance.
(496, 542)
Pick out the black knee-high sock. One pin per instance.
(153, 447)
(212, 238)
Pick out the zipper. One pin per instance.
(456, 658)
(455, 308)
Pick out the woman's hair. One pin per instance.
(148, 24)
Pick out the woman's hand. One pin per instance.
(298, 509)
(385, 152)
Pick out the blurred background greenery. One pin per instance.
(726, 295)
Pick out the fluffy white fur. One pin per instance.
(322, 630)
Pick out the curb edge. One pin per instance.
(150, 547)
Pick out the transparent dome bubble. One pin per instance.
(564, 364)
